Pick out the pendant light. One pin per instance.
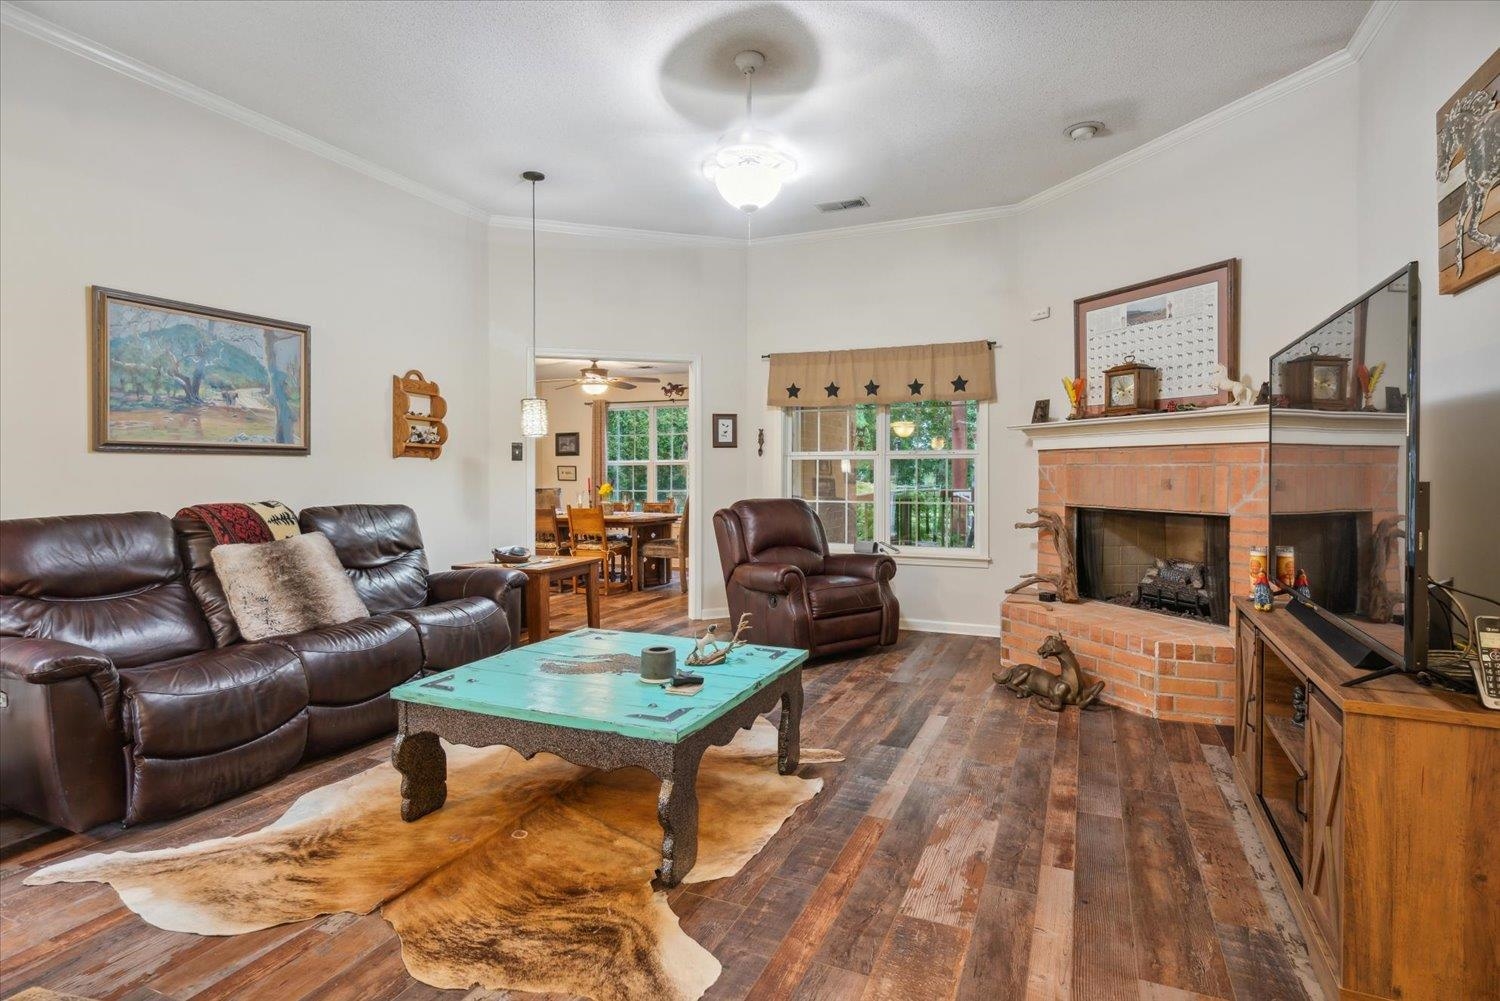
(533, 408)
(747, 169)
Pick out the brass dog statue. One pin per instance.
(1053, 691)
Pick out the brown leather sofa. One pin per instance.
(129, 693)
(778, 568)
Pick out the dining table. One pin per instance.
(642, 527)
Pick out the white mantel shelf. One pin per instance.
(1219, 426)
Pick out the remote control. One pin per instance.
(1487, 666)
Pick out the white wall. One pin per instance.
(111, 182)
(1421, 56)
(633, 298)
(1270, 187)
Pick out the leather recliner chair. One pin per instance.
(130, 695)
(778, 568)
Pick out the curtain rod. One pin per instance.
(990, 343)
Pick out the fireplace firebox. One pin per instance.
(1177, 564)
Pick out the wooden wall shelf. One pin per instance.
(405, 416)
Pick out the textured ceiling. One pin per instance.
(923, 107)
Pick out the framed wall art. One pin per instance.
(567, 474)
(1184, 325)
(1468, 176)
(170, 376)
(726, 430)
(565, 443)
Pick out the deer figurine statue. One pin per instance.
(1053, 691)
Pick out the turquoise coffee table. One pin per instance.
(578, 696)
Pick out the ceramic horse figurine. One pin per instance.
(1472, 126)
(1053, 691)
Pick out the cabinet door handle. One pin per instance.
(1297, 791)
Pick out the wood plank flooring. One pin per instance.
(973, 846)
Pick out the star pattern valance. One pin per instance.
(962, 370)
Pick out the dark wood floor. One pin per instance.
(972, 846)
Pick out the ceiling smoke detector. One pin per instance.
(843, 205)
(1083, 131)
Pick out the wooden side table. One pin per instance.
(540, 575)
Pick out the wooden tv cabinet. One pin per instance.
(1381, 815)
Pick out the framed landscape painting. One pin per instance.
(174, 377)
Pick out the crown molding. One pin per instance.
(893, 225)
(1369, 27)
(656, 236)
(13, 17)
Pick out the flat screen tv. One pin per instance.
(1347, 511)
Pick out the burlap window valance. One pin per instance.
(963, 370)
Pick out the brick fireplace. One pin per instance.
(1203, 463)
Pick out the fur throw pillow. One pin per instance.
(287, 586)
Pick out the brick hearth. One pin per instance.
(1163, 666)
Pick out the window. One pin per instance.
(906, 474)
(646, 451)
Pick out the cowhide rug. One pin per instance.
(535, 875)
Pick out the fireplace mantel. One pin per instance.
(1216, 426)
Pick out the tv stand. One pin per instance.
(1354, 653)
(1377, 814)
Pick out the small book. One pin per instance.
(683, 689)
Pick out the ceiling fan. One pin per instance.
(596, 380)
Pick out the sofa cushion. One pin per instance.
(459, 631)
(109, 582)
(380, 547)
(836, 594)
(277, 588)
(355, 661)
(210, 701)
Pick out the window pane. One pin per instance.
(671, 484)
(627, 435)
(932, 503)
(934, 426)
(842, 492)
(671, 433)
(833, 429)
(629, 481)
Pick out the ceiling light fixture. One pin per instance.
(1083, 131)
(595, 388)
(533, 408)
(746, 168)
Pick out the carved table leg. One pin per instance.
(423, 765)
(789, 746)
(677, 809)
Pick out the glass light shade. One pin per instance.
(595, 388)
(938, 443)
(749, 175)
(904, 429)
(533, 417)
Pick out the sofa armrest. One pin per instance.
(503, 586)
(769, 578)
(42, 661)
(871, 566)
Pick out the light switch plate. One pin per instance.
(517, 451)
(1041, 314)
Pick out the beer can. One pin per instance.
(1286, 566)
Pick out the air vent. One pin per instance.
(843, 206)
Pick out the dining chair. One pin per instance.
(550, 540)
(617, 507)
(675, 548)
(549, 497)
(668, 506)
(590, 538)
